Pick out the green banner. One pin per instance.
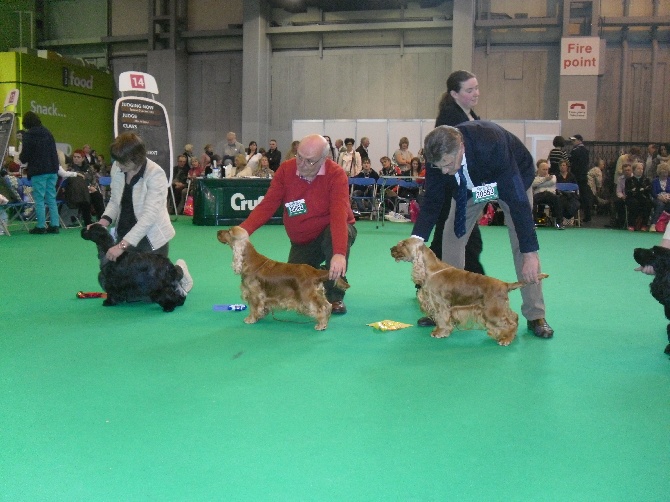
(74, 102)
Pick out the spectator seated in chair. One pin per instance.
(660, 192)
(365, 190)
(570, 200)
(638, 199)
(544, 192)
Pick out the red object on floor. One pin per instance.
(83, 295)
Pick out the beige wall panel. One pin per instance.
(534, 71)
(513, 99)
(215, 103)
(513, 85)
(409, 85)
(430, 73)
(339, 83)
(296, 80)
(641, 102)
(313, 87)
(130, 17)
(609, 97)
(495, 87)
(361, 82)
(661, 100)
(377, 77)
(392, 87)
(213, 14)
(353, 85)
(280, 84)
(480, 68)
(630, 117)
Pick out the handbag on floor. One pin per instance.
(662, 222)
(188, 206)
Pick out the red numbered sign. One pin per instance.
(137, 81)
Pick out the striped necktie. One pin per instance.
(461, 203)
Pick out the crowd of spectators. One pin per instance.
(633, 190)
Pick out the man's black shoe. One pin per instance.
(53, 230)
(540, 328)
(37, 231)
(425, 321)
(339, 307)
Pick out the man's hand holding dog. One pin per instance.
(338, 266)
(530, 268)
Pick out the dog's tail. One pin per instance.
(511, 286)
(341, 284)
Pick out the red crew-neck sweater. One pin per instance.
(326, 199)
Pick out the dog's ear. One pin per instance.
(661, 251)
(238, 233)
(223, 236)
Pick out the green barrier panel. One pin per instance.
(229, 201)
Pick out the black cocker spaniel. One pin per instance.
(659, 258)
(136, 276)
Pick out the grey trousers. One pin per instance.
(453, 253)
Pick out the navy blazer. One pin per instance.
(493, 154)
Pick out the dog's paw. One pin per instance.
(320, 326)
(440, 333)
(251, 320)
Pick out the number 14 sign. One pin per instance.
(137, 81)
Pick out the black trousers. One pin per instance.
(317, 252)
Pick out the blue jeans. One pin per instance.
(44, 191)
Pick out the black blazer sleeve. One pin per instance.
(435, 184)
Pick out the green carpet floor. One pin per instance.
(130, 403)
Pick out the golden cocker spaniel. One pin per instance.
(455, 298)
(268, 284)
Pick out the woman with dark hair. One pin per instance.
(350, 159)
(39, 152)
(457, 102)
(253, 156)
(137, 204)
(456, 106)
(83, 192)
(557, 155)
(332, 154)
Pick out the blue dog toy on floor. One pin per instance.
(232, 307)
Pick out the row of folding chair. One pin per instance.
(18, 212)
(376, 201)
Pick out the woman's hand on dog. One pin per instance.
(114, 252)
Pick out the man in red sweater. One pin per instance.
(317, 212)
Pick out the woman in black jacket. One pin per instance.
(455, 107)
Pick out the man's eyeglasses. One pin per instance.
(302, 160)
(446, 162)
